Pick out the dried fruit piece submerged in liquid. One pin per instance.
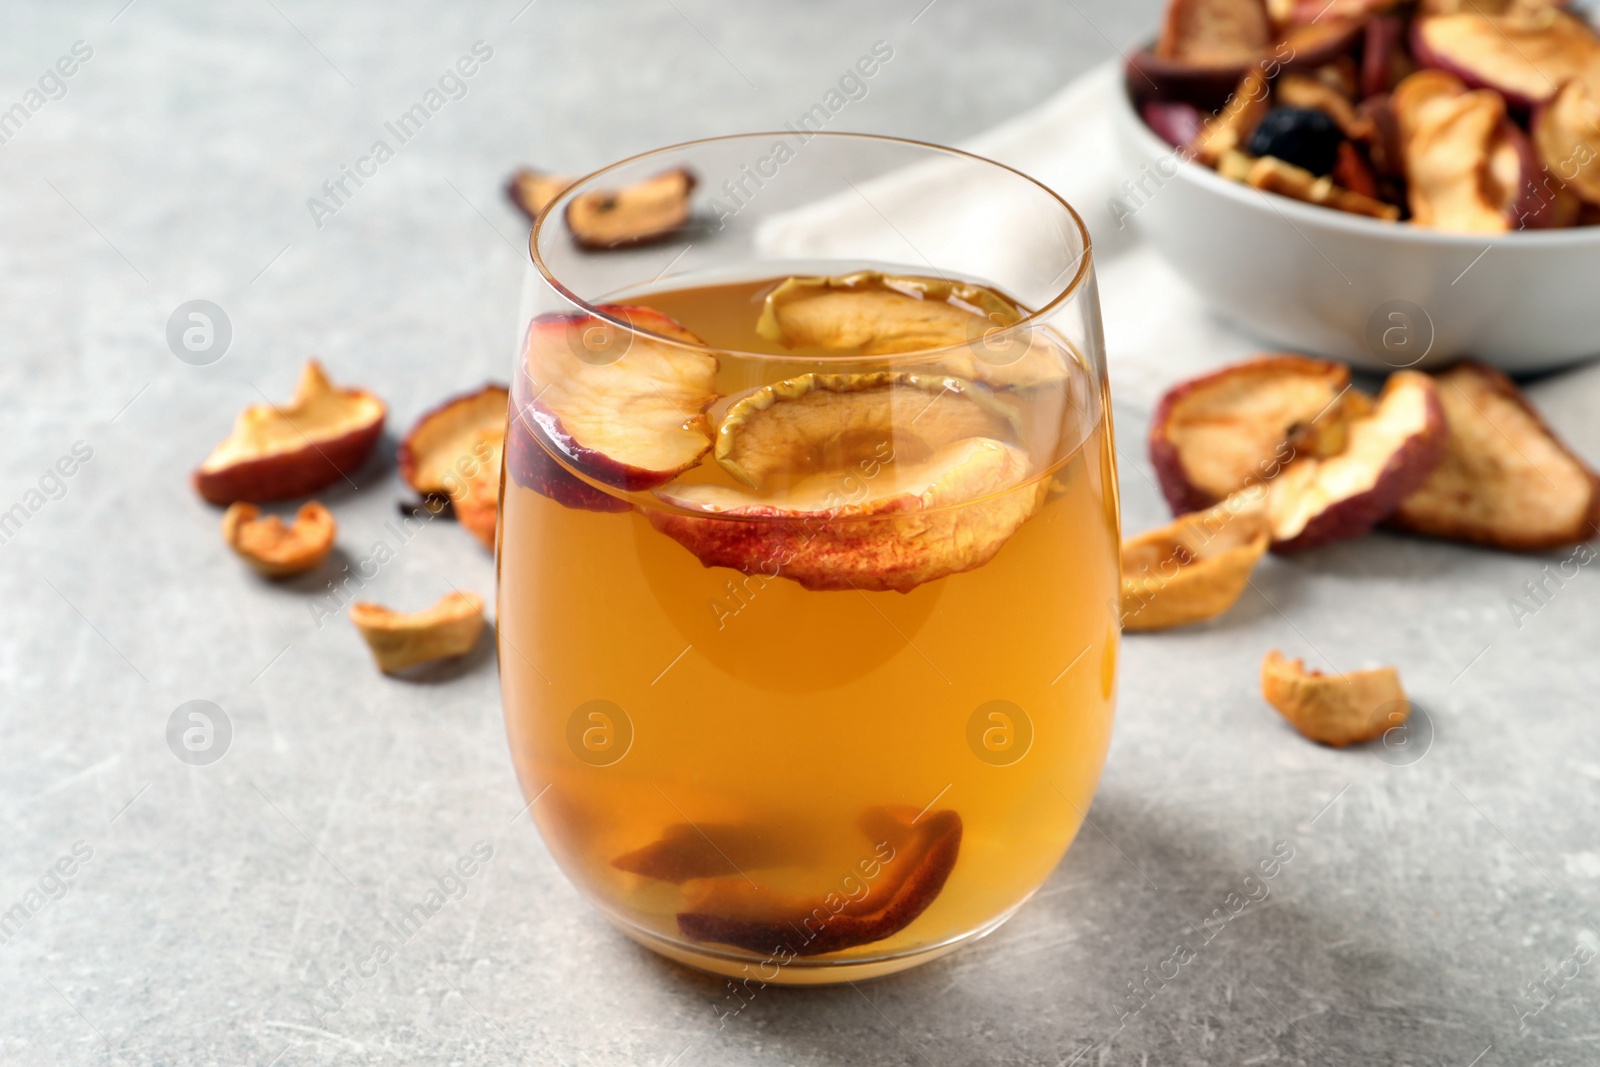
(903, 870)
(869, 313)
(870, 482)
(625, 408)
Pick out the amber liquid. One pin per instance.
(650, 698)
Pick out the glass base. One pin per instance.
(802, 972)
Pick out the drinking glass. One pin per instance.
(808, 643)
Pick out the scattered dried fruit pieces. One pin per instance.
(455, 451)
(1505, 479)
(1236, 427)
(1334, 709)
(275, 549)
(1389, 453)
(398, 640)
(274, 453)
(532, 190)
(635, 214)
(1194, 569)
(625, 407)
(905, 872)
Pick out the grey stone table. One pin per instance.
(178, 914)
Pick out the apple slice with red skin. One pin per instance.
(455, 451)
(1383, 55)
(1236, 427)
(532, 190)
(1388, 453)
(872, 482)
(626, 407)
(1506, 480)
(1449, 136)
(274, 453)
(636, 214)
(1567, 133)
(1214, 32)
(910, 859)
(1524, 56)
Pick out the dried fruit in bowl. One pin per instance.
(1334, 709)
(645, 211)
(1275, 176)
(276, 549)
(1567, 133)
(1214, 32)
(1234, 126)
(1449, 138)
(1525, 55)
(274, 453)
(1194, 569)
(455, 451)
(871, 482)
(912, 857)
(401, 640)
(1388, 452)
(1236, 427)
(1505, 480)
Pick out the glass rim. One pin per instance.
(1033, 318)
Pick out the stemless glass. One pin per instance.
(816, 685)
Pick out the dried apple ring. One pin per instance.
(1334, 709)
(275, 549)
(455, 450)
(400, 640)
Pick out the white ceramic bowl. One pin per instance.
(1379, 295)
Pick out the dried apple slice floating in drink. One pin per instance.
(1217, 434)
(905, 862)
(274, 452)
(1505, 480)
(276, 549)
(872, 482)
(1387, 454)
(624, 407)
(1524, 55)
(1334, 709)
(869, 313)
(1194, 569)
(455, 451)
(635, 214)
(1567, 133)
(686, 851)
(532, 190)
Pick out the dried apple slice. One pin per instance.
(1308, 91)
(399, 640)
(455, 451)
(1526, 56)
(1222, 432)
(532, 190)
(686, 851)
(1230, 129)
(910, 860)
(1193, 569)
(1567, 133)
(275, 549)
(1449, 140)
(635, 214)
(1174, 121)
(1388, 453)
(1214, 32)
(1273, 175)
(1505, 480)
(274, 453)
(1334, 709)
(624, 407)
